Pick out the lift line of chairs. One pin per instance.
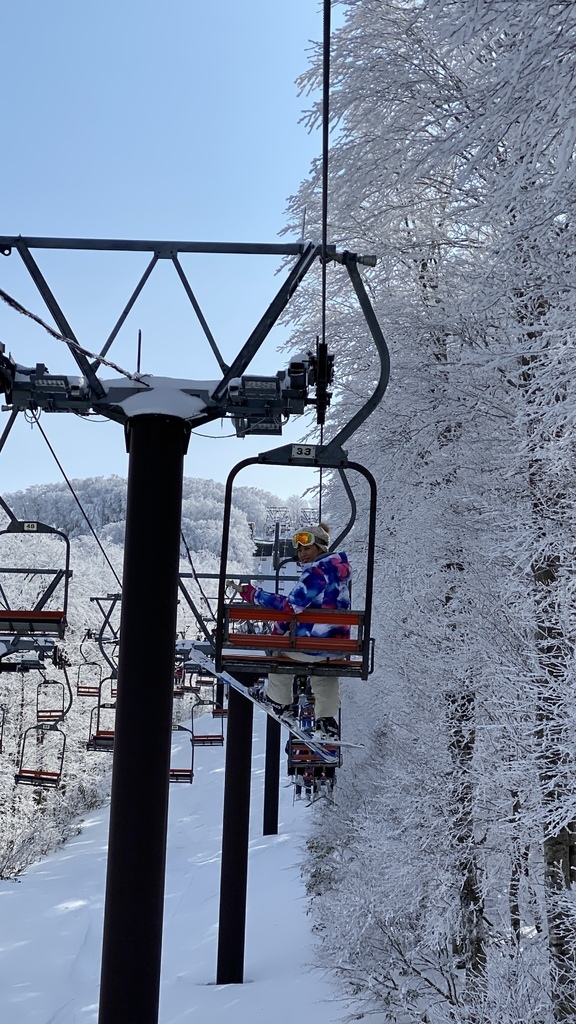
(240, 642)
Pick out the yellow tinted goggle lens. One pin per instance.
(303, 537)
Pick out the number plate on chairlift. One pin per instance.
(304, 451)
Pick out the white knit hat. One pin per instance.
(322, 534)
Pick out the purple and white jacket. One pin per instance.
(324, 583)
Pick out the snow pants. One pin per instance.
(326, 689)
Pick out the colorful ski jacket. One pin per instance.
(324, 583)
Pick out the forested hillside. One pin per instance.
(444, 884)
(103, 500)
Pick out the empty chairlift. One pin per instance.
(102, 727)
(89, 679)
(219, 708)
(50, 701)
(33, 595)
(103, 718)
(184, 774)
(41, 756)
(211, 739)
(179, 681)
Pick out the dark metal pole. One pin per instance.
(131, 952)
(219, 696)
(234, 870)
(271, 777)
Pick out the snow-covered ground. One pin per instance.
(51, 916)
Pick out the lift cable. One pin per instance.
(14, 304)
(325, 141)
(325, 153)
(77, 500)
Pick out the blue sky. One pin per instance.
(140, 120)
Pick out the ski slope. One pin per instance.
(51, 916)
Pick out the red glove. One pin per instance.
(247, 592)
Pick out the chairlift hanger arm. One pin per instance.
(353, 510)
(4, 438)
(194, 610)
(350, 261)
(263, 328)
(58, 577)
(3, 504)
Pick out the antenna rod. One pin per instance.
(139, 351)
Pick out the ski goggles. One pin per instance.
(304, 539)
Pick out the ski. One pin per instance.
(344, 744)
(320, 747)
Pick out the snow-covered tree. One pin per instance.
(453, 161)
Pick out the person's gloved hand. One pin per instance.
(247, 592)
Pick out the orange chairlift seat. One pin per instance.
(265, 652)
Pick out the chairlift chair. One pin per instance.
(100, 738)
(42, 769)
(89, 679)
(39, 620)
(50, 701)
(178, 691)
(219, 709)
(332, 457)
(192, 680)
(237, 650)
(205, 679)
(107, 637)
(183, 774)
(215, 739)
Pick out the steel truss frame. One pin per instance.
(247, 403)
